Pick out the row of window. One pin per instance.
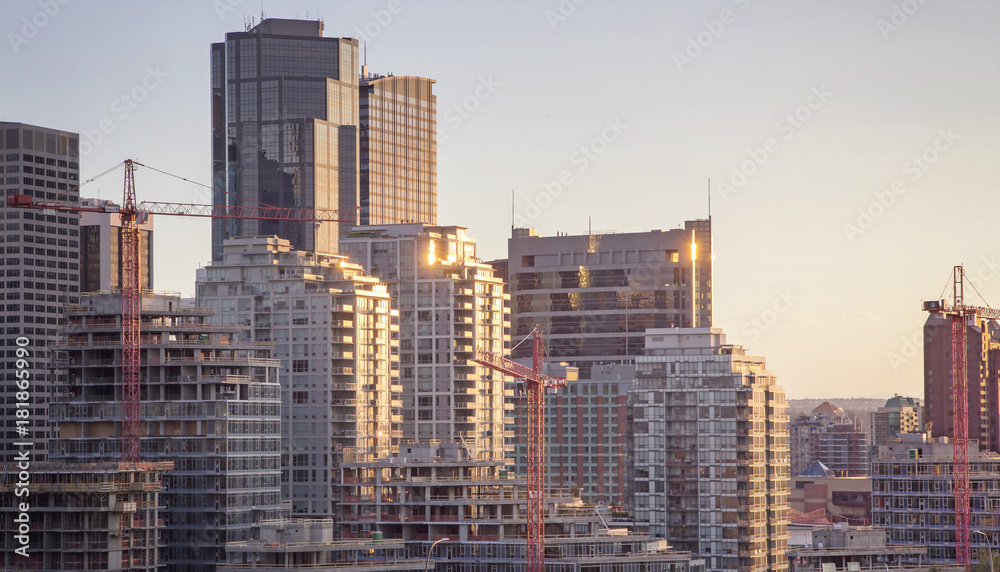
(44, 161)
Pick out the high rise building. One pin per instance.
(982, 373)
(710, 450)
(913, 499)
(450, 305)
(101, 248)
(336, 338)
(210, 404)
(898, 415)
(398, 150)
(285, 129)
(595, 295)
(41, 270)
(832, 436)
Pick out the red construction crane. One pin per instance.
(131, 217)
(960, 315)
(536, 384)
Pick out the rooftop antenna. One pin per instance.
(512, 213)
(710, 199)
(590, 226)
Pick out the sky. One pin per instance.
(850, 144)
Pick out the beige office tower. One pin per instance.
(398, 159)
(334, 332)
(450, 305)
(710, 450)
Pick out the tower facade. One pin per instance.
(450, 305)
(710, 450)
(398, 150)
(335, 336)
(41, 272)
(284, 129)
(983, 379)
(101, 249)
(594, 295)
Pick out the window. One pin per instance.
(300, 365)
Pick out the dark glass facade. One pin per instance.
(594, 296)
(285, 129)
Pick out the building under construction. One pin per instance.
(210, 403)
(435, 493)
(88, 516)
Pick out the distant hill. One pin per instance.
(859, 406)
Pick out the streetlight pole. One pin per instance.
(427, 562)
(989, 546)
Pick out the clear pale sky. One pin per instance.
(801, 113)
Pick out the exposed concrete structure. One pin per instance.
(210, 403)
(301, 544)
(87, 516)
(433, 492)
(912, 495)
(594, 295)
(710, 450)
(336, 338)
(846, 497)
(841, 547)
(42, 267)
(450, 305)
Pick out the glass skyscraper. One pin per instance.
(285, 129)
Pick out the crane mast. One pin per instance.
(959, 314)
(535, 386)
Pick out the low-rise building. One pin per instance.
(842, 547)
(86, 516)
(841, 498)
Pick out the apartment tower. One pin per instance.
(336, 338)
(710, 450)
(450, 305)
